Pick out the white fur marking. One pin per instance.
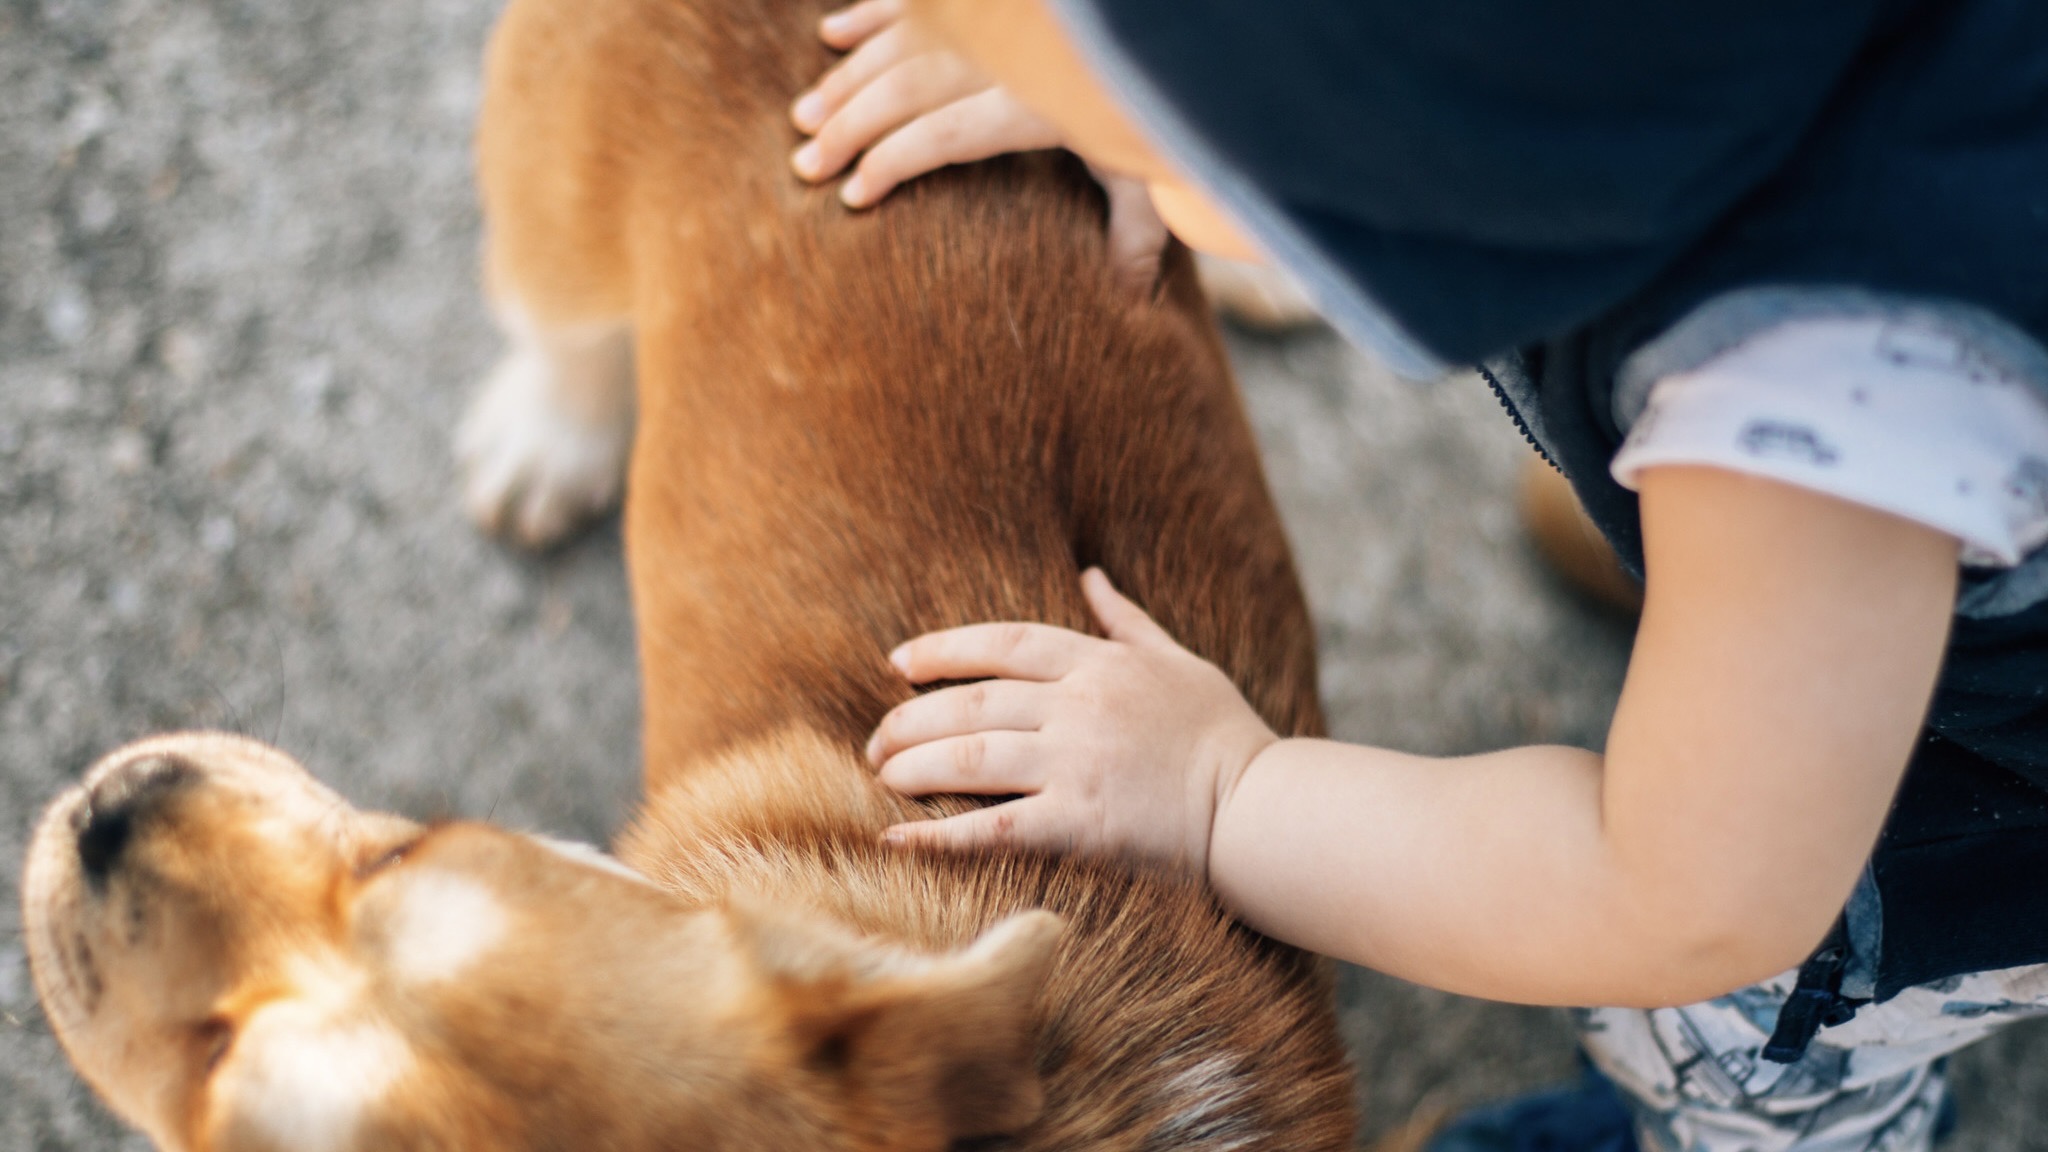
(442, 924)
(543, 445)
(591, 856)
(1206, 1098)
(305, 1085)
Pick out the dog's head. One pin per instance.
(240, 961)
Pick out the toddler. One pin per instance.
(1768, 284)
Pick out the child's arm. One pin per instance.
(1788, 649)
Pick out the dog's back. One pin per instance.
(858, 427)
(854, 428)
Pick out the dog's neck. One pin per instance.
(763, 819)
(793, 821)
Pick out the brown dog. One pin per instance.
(851, 429)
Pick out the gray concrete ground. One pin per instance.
(237, 318)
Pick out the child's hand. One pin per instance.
(907, 106)
(1124, 743)
(911, 105)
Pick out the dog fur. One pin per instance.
(851, 429)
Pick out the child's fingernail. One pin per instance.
(836, 23)
(893, 838)
(874, 747)
(808, 111)
(854, 193)
(805, 161)
(900, 659)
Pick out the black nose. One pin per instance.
(120, 801)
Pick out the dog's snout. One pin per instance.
(117, 803)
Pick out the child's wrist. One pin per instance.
(1231, 772)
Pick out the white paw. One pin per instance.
(1257, 295)
(532, 470)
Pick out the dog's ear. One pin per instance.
(931, 1047)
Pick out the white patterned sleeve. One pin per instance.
(1889, 415)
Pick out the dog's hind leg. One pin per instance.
(543, 446)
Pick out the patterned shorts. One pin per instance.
(1696, 1080)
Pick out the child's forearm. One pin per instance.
(1787, 650)
(1489, 875)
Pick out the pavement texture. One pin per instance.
(237, 320)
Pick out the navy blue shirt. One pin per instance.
(1557, 182)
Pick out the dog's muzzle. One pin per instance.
(120, 802)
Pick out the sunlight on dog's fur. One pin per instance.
(851, 429)
(239, 960)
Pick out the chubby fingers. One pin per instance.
(987, 123)
(856, 22)
(964, 709)
(1137, 236)
(1120, 617)
(1012, 651)
(1019, 823)
(977, 764)
(905, 92)
(844, 80)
